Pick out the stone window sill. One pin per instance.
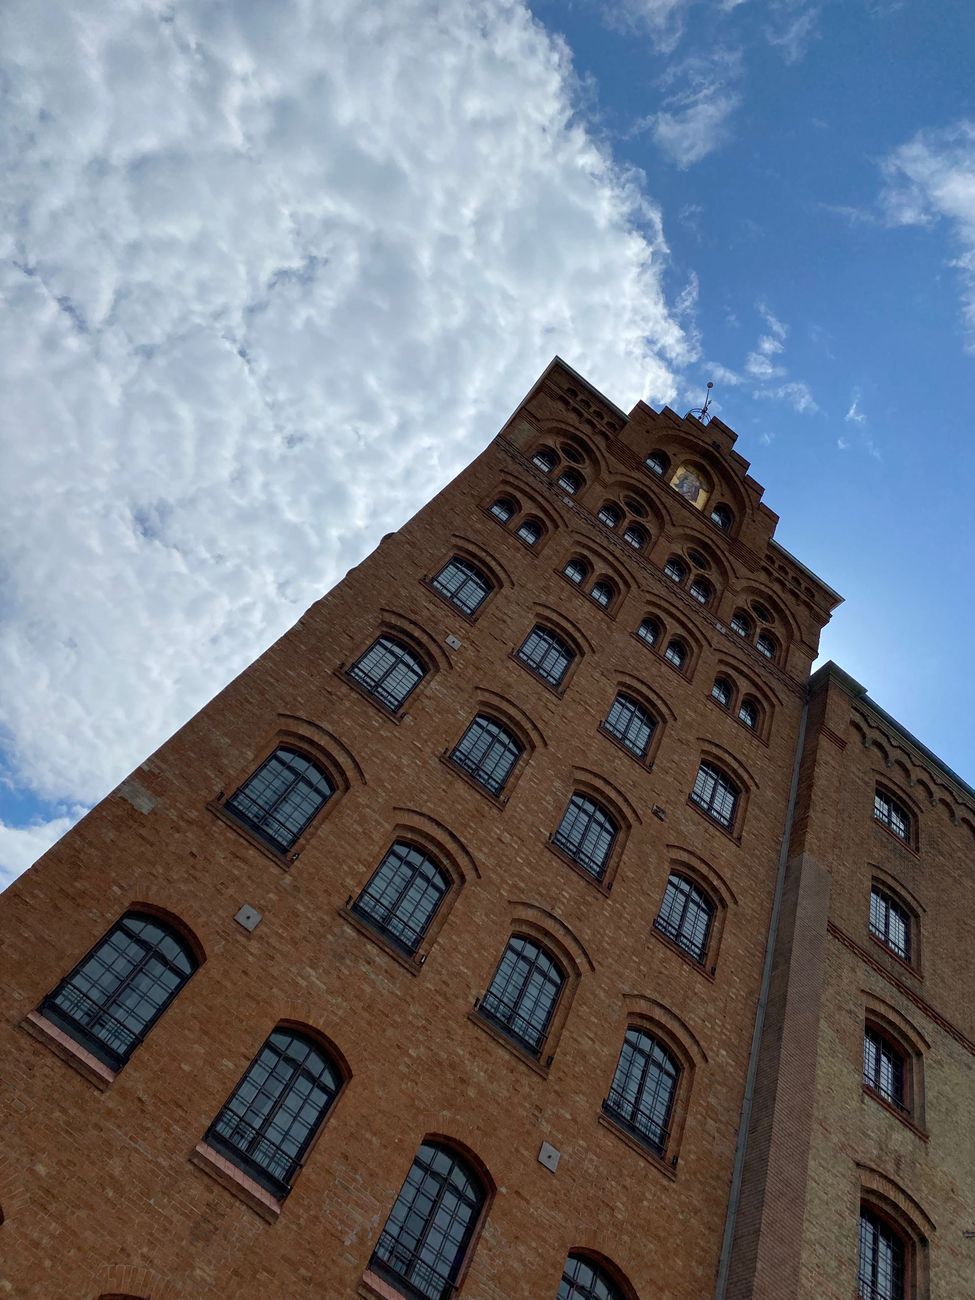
(61, 1044)
(236, 1181)
(373, 1287)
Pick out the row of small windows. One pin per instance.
(747, 712)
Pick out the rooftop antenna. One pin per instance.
(703, 412)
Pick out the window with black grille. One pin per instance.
(890, 922)
(741, 624)
(702, 590)
(748, 714)
(282, 797)
(276, 1109)
(530, 531)
(675, 569)
(524, 993)
(635, 536)
(503, 509)
(676, 653)
(644, 1087)
(649, 631)
(883, 1068)
(722, 691)
(766, 645)
(488, 752)
(546, 654)
(631, 724)
(403, 895)
(881, 1271)
(892, 814)
(716, 794)
(602, 594)
(545, 459)
(657, 462)
(610, 515)
(570, 481)
(118, 991)
(463, 585)
(429, 1230)
(587, 834)
(389, 671)
(582, 1279)
(576, 570)
(721, 516)
(686, 916)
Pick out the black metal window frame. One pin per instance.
(636, 536)
(111, 999)
(741, 624)
(403, 895)
(891, 922)
(885, 1068)
(576, 569)
(722, 691)
(584, 1279)
(644, 1089)
(524, 993)
(389, 671)
(649, 631)
(587, 833)
(602, 592)
(686, 916)
(430, 1230)
(546, 654)
(631, 723)
(676, 569)
(767, 645)
(463, 584)
(280, 800)
(676, 652)
(716, 794)
(489, 752)
(269, 1120)
(749, 714)
(545, 459)
(722, 516)
(610, 515)
(504, 509)
(898, 819)
(702, 591)
(571, 482)
(882, 1265)
(657, 463)
(530, 532)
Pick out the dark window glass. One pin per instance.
(276, 1109)
(503, 509)
(631, 724)
(282, 797)
(576, 570)
(635, 507)
(721, 691)
(570, 481)
(571, 453)
(642, 1094)
(523, 993)
(766, 645)
(716, 793)
(488, 752)
(675, 569)
(698, 560)
(701, 590)
(741, 624)
(761, 613)
(545, 458)
(115, 995)
(649, 630)
(587, 834)
(463, 585)
(583, 1280)
(389, 671)
(676, 653)
(893, 815)
(748, 713)
(883, 1068)
(602, 593)
(656, 462)
(685, 916)
(721, 515)
(890, 922)
(881, 1272)
(610, 516)
(403, 895)
(546, 654)
(636, 536)
(530, 531)
(429, 1229)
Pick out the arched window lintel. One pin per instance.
(174, 923)
(653, 1017)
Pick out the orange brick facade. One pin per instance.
(107, 1186)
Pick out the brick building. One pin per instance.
(525, 923)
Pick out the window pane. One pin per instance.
(649, 630)
(610, 516)
(524, 992)
(883, 1068)
(748, 714)
(570, 481)
(530, 531)
(721, 691)
(631, 724)
(389, 671)
(881, 1270)
(545, 459)
(462, 584)
(643, 1089)
(685, 916)
(546, 654)
(282, 797)
(503, 509)
(892, 814)
(602, 593)
(675, 569)
(488, 752)
(766, 645)
(403, 895)
(636, 536)
(656, 462)
(676, 653)
(716, 794)
(584, 1280)
(576, 570)
(741, 624)
(701, 590)
(587, 833)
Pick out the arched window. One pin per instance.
(503, 509)
(570, 481)
(644, 1087)
(892, 814)
(429, 1230)
(722, 691)
(281, 798)
(883, 1068)
(403, 895)
(766, 645)
(698, 560)
(584, 1280)
(702, 590)
(881, 1271)
(602, 593)
(546, 654)
(530, 532)
(610, 515)
(635, 507)
(572, 453)
(748, 713)
(118, 991)
(761, 612)
(676, 653)
(488, 751)
(636, 536)
(741, 623)
(576, 569)
(686, 916)
(631, 724)
(657, 462)
(545, 459)
(716, 794)
(587, 834)
(463, 585)
(272, 1115)
(890, 922)
(676, 569)
(649, 631)
(722, 516)
(524, 993)
(389, 671)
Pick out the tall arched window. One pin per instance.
(676, 569)
(881, 1271)
(635, 536)
(272, 1115)
(767, 645)
(431, 1226)
(582, 1279)
(644, 1088)
(403, 895)
(676, 652)
(748, 714)
(389, 671)
(893, 815)
(631, 724)
(463, 585)
(722, 691)
(741, 623)
(884, 1069)
(118, 991)
(524, 993)
(488, 751)
(587, 834)
(716, 794)
(685, 916)
(570, 481)
(657, 462)
(279, 801)
(546, 654)
(890, 922)
(701, 590)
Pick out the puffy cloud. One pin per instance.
(703, 94)
(21, 846)
(272, 275)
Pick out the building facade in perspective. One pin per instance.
(526, 924)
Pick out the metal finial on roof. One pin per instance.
(703, 412)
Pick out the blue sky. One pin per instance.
(270, 275)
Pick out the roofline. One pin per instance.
(831, 671)
(808, 572)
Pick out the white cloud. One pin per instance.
(775, 326)
(21, 846)
(662, 20)
(797, 393)
(793, 29)
(854, 415)
(703, 95)
(843, 444)
(929, 179)
(272, 275)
